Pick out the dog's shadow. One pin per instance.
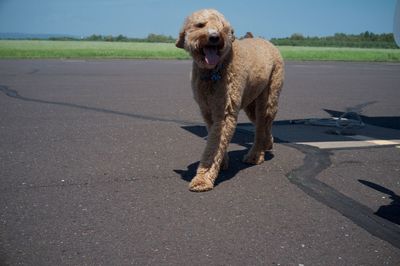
(235, 157)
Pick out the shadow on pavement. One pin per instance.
(389, 212)
(235, 157)
(326, 130)
(380, 121)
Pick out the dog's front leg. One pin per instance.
(219, 136)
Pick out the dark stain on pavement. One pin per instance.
(315, 161)
(15, 94)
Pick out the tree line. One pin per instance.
(363, 40)
(120, 38)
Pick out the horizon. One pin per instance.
(137, 19)
(60, 35)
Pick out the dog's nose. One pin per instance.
(213, 38)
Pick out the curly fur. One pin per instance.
(251, 77)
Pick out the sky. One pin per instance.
(138, 18)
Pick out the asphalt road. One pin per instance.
(96, 156)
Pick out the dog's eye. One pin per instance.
(200, 25)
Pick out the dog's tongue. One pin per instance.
(212, 57)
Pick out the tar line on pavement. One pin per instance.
(317, 159)
(15, 94)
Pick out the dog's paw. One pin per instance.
(200, 184)
(254, 158)
(269, 145)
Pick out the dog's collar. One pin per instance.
(213, 75)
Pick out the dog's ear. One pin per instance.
(229, 31)
(232, 35)
(180, 42)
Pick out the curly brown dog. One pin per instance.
(229, 75)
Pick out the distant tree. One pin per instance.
(297, 36)
(159, 38)
(109, 38)
(121, 38)
(366, 35)
(94, 37)
(340, 36)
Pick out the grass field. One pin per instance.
(340, 54)
(84, 49)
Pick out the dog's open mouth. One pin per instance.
(211, 55)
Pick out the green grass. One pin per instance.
(340, 54)
(85, 49)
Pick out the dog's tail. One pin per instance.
(248, 35)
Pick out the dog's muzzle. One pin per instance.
(213, 38)
(211, 50)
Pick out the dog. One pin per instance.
(229, 75)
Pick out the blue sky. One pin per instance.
(135, 18)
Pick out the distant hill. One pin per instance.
(21, 36)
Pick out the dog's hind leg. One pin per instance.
(262, 113)
(256, 111)
(275, 87)
(251, 111)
